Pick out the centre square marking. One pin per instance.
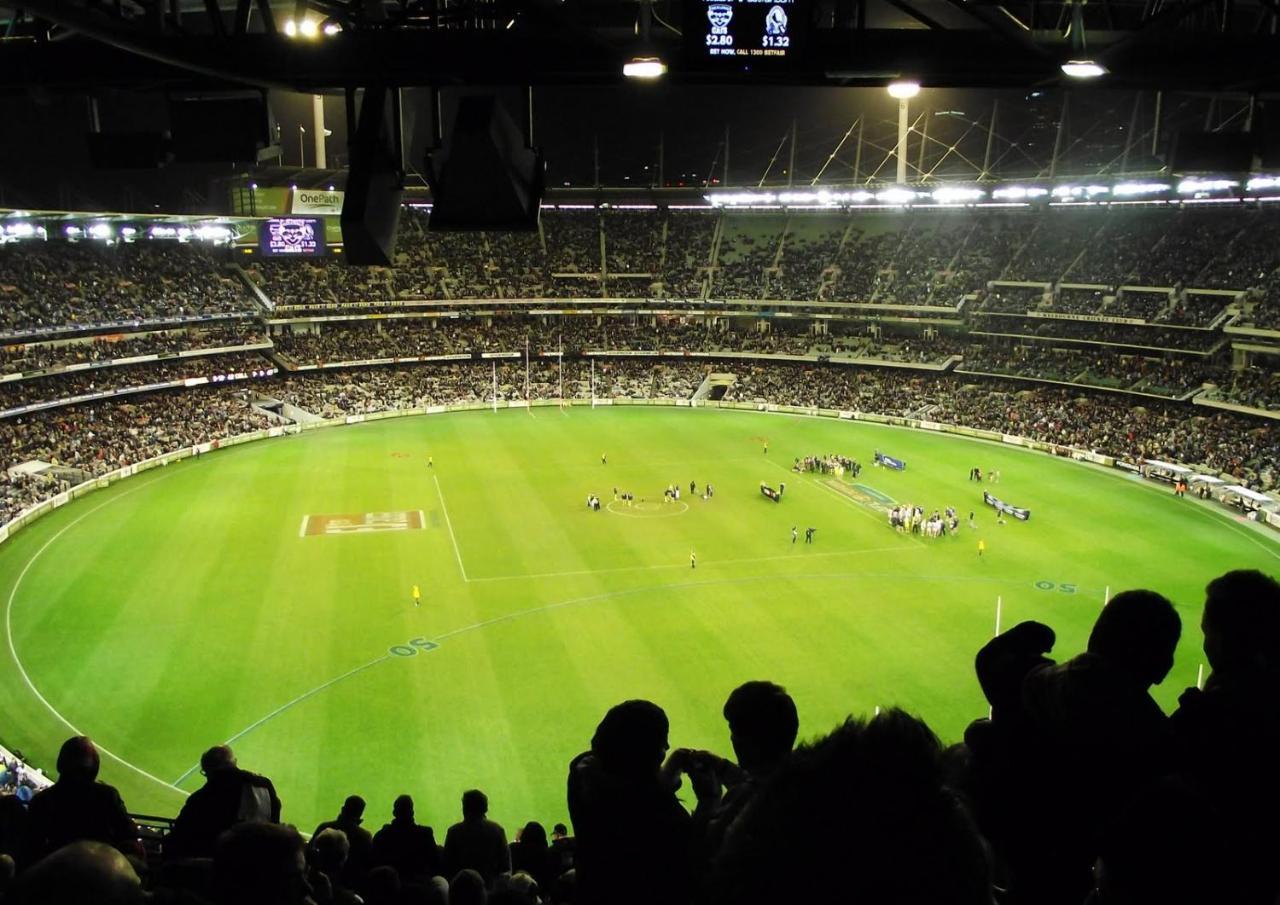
(364, 522)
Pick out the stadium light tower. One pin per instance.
(903, 91)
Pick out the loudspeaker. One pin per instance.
(1266, 124)
(129, 150)
(375, 182)
(227, 128)
(1211, 152)
(484, 176)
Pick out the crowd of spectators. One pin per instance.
(55, 354)
(1075, 788)
(418, 337)
(55, 284)
(927, 258)
(1140, 373)
(17, 393)
(1255, 387)
(86, 440)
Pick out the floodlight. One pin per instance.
(903, 90)
(644, 68)
(308, 28)
(331, 28)
(896, 196)
(1083, 69)
(291, 28)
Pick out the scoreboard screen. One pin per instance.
(746, 31)
(293, 237)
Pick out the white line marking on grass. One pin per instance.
(287, 706)
(13, 652)
(302, 529)
(449, 523)
(705, 563)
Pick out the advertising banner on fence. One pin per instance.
(1002, 506)
(310, 201)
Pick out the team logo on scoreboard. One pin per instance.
(720, 14)
(292, 235)
(775, 23)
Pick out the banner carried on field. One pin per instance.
(890, 462)
(1002, 506)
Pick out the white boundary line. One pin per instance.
(449, 523)
(13, 652)
(705, 562)
(302, 529)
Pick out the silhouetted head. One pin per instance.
(559, 831)
(331, 849)
(534, 834)
(402, 807)
(467, 888)
(217, 759)
(382, 886)
(904, 837)
(261, 864)
(78, 760)
(631, 740)
(77, 874)
(1242, 622)
(762, 724)
(474, 803)
(353, 808)
(1137, 631)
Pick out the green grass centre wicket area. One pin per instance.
(263, 595)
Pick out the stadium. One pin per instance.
(886, 512)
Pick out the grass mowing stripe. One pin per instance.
(8, 627)
(287, 706)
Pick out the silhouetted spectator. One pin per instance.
(79, 874)
(531, 854)
(329, 852)
(78, 807)
(13, 826)
(998, 765)
(1090, 735)
(634, 838)
(763, 724)
(517, 888)
(468, 888)
(261, 864)
(229, 796)
(476, 842)
(861, 815)
(407, 846)
(1229, 733)
(359, 839)
(382, 886)
(562, 848)
(1157, 852)
(7, 870)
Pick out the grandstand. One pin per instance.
(609, 492)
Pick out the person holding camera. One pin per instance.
(636, 843)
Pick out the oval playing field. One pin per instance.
(264, 595)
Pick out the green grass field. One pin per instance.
(183, 607)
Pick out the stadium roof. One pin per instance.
(1175, 44)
